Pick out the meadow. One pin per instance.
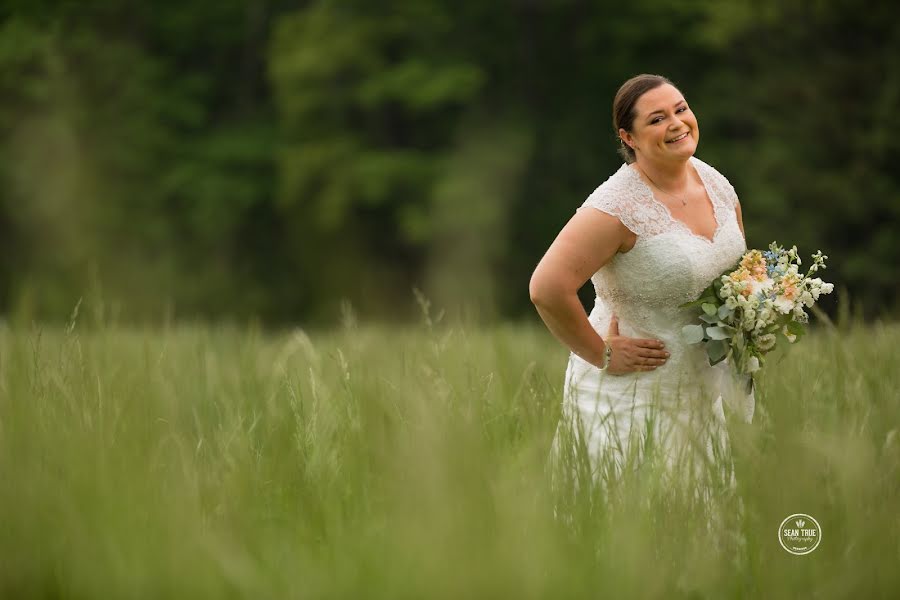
(411, 462)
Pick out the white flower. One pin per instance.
(731, 302)
(753, 364)
(766, 342)
(783, 305)
(761, 286)
(807, 299)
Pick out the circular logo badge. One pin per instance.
(799, 534)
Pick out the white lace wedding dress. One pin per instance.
(682, 402)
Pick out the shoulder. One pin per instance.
(615, 183)
(707, 170)
(614, 193)
(716, 180)
(624, 196)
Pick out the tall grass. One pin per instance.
(372, 462)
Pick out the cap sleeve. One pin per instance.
(720, 184)
(728, 190)
(623, 196)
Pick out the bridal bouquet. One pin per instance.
(743, 311)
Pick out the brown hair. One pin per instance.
(623, 106)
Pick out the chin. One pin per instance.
(687, 151)
(683, 154)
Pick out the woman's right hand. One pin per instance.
(633, 354)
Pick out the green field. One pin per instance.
(375, 462)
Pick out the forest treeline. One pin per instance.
(274, 159)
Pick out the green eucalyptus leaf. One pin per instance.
(716, 333)
(716, 350)
(709, 309)
(692, 334)
(712, 320)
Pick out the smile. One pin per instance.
(679, 138)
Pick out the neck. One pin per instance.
(670, 176)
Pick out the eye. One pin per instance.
(656, 120)
(682, 109)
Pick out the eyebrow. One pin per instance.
(659, 110)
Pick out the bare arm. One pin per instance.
(587, 242)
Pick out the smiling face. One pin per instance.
(665, 129)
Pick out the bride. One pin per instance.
(651, 237)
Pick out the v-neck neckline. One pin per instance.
(684, 225)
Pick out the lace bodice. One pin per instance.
(668, 264)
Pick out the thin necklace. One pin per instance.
(683, 201)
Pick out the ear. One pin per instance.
(626, 137)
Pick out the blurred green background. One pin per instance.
(276, 160)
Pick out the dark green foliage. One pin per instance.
(263, 158)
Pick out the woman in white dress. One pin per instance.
(651, 237)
